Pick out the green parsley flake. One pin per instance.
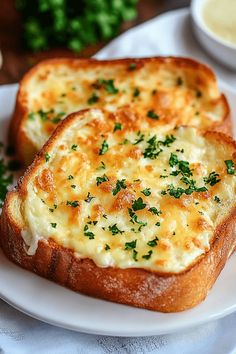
(70, 177)
(154, 211)
(47, 157)
(102, 179)
(148, 255)
(107, 247)
(115, 230)
(217, 199)
(74, 147)
(88, 233)
(108, 85)
(93, 99)
(102, 166)
(138, 204)
(140, 138)
(212, 178)
(88, 198)
(230, 167)
(136, 92)
(134, 219)
(104, 148)
(5, 180)
(118, 126)
(153, 242)
(120, 184)
(146, 192)
(151, 114)
(153, 150)
(169, 139)
(132, 66)
(130, 245)
(53, 224)
(73, 204)
(31, 116)
(134, 255)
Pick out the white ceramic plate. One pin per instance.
(54, 304)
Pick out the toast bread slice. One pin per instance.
(179, 90)
(122, 208)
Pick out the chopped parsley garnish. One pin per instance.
(182, 165)
(31, 116)
(138, 204)
(58, 117)
(107, 247)
(88, 233)
(154, 211)
(230, 167)
(217, 199)
(146, 192)
(53, 224)
(151, 114)
(136, 92)
(74, 147)
(168, 140)
(134, 219)
(104, 148)
(44, 115)
(73, 186)
(47, 157)
(93, 99)
(140, 137)
(88, 198)
(73, 204)
(158, 223)
(148, 255)
(102, 166)
(153, 242)
(118, 126)
(120, 184)
(134, 256)
(153, 150)
(52, 209)
(179, 81)
(132, 66)
(115, 230)
(70, 177)
(5, 180)
(102, 179)
(108, 85)
(212, 178)
(173, 160)
(130, 245)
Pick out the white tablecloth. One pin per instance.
(22, 334)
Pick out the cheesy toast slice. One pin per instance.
(175, 90)
(120, 207)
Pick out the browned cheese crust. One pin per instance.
(199, 75)
(132, 286)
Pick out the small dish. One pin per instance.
(217, 47)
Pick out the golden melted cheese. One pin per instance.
(166, 234)
(176, 92)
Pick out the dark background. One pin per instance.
(16, 61)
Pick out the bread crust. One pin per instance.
(24, 146)
(147, 289)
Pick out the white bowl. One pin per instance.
(215, 46)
